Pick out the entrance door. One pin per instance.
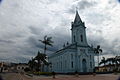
(84, 66)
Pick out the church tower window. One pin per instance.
(74, 38)
(81, 36)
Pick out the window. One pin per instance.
(72, 64)
(91, 64)
(71, 56)
(81, 38)
(74, 38)
(65, 63)
(22, 67)
(61, 65)
(90, 57)
(18, 67)
(57, 65)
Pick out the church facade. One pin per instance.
(77, 56)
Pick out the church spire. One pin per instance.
(77, 18)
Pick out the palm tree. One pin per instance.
(46, 41)
(97, 52)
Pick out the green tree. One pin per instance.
(46, 41)
(98, 51)
(41, 59)
(103, 61)
(32, 64)
(113, 61)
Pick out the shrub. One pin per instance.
(27, 69)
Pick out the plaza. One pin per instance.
(17, 76)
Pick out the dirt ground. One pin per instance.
(17, 76)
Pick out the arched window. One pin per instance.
(74, 38)
(81, 36)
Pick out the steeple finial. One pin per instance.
(76, 9)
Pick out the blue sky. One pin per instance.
(24, 22)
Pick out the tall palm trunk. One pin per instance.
(45, 49)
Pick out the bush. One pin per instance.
(27, 69)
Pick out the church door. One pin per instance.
(84, 66)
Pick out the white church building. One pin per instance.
(77, 56)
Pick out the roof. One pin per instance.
(77, 18)
(71, 47)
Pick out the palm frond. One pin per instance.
(100, 50)
(49, 38)
(45, 37)
(98, 46)
(41, 41)
(50, 44)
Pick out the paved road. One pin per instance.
(17, 76)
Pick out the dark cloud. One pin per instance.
(33, 41)
(29, 21)
(0, 1)
(58, 40)
(106, 46)
(36, 30)
(6, 41)
(119, 1)
(3, 51)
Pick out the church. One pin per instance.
(77, 56)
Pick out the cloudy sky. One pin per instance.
(24, 22)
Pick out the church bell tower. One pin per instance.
(78, 31)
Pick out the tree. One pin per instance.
(41, 58)
(113, 61)
(103, 61)
(97, 52)
(46, 41)
(32, 64)
(36, 62)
